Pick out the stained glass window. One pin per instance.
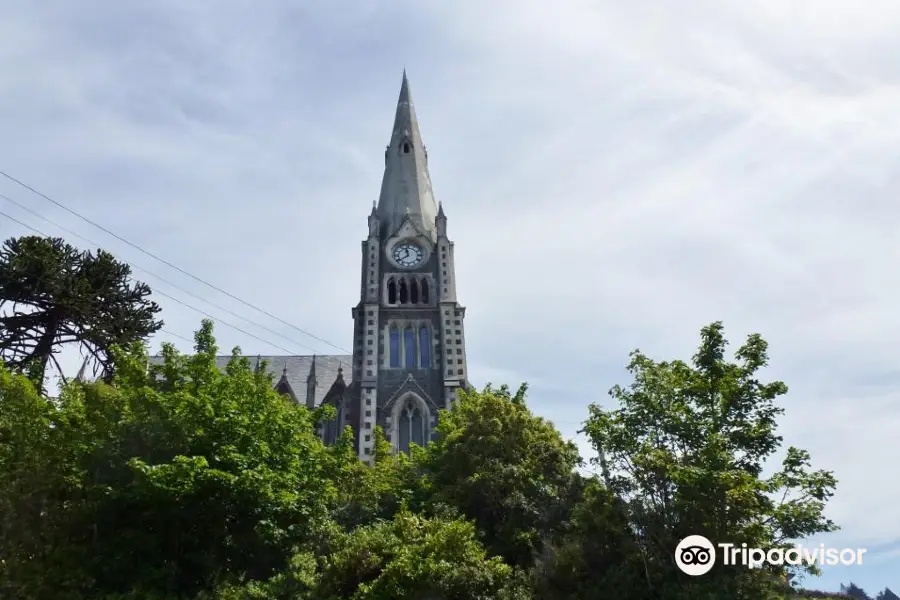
(424, 348)
(409, 342)
(395, 348)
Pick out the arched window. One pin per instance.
(404, 297)
(395, 348)
(417, 424)
(333, 428)
(405, 147)
(424, 292)
(392, 291)
(404, 431)
(411, 427)
(409, 347)
(413, 291)
(424, 347)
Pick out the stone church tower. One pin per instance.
(409, 351)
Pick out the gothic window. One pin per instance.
(411, 427)
(395, 348)
(404, 297)
(424, 347)
(392, 291)
(409, 343)
(333, 428)
(413, 292)
(417, 424)
(424, 292)
(405, 147)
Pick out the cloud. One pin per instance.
(616, 175)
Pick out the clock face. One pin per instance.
(407, 254)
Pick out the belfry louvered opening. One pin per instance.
(408, 289)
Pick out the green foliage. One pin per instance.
(165, 486)
(508, 470)
(409, 557)
(887, 594)
(851, 590)
(414, 557)
(370, 493)
(595, 555)
(186, 481)
(57, 294)
(686, 451)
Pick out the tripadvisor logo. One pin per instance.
(696, 555)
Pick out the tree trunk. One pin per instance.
(44, 349)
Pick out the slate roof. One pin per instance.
(297, 369)
(406, 191)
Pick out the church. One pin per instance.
(409, 350)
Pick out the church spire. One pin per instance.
(406, 186)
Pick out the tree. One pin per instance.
(596, 558)
(416, 558)
(163, 483)
(29, 475)
(887, 594)
(371, 493)
(185, 481)
(685, 451)
(55, 294)
(508, 470)
(854, 591)
(409, 557)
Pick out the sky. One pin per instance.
(616, 175)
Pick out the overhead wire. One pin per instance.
(159, 277)
(41, 233)
(167, 263)
(217, 319)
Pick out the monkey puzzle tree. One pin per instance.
(854, 591)
(887, 594)
(52, 294)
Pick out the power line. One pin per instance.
(165, 262)
(29, 227)
(226, 323)
(178, 335)
(15, 220)
(164, 280)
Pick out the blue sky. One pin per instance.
(615, 175)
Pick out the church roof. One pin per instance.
(406, 185)
(296, 370)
